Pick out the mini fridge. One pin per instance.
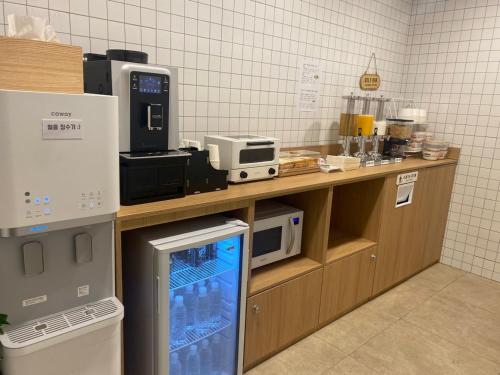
(185, 294)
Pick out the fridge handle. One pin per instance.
(157, 286)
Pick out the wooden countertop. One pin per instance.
(271, 188)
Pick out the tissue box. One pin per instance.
(31, 65)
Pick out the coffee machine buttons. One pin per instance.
(155, 116)
(134, 82)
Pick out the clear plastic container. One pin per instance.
(435, 149)
(400, 128)
(298, 162)
(436, 145)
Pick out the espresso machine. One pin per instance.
(151, 167)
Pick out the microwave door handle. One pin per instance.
(292, 235)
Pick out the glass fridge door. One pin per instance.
(205, 286)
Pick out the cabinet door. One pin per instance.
(402, 235)
(438, 196)
(262, 325)
(300, 299)
(347, 283)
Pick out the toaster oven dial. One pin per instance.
(243, 174)
(272, 171)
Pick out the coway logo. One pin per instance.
(60, 114)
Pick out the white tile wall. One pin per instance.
(239, 64)
(452, 68)
(239, 58)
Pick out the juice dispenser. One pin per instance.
(348, 122)
(364, 128)
(379, 129)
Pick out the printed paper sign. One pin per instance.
(309, 86)
(406, 178)
(405, 194)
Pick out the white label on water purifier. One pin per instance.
(83, 291)
(62, 129)
(34, 300)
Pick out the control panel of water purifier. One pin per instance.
(149, 108)
(38, 205)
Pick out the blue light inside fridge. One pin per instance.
(204, 308)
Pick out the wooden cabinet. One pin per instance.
(281, 315)
(411, 236)
(401, 241)
(438, 193)
(347, 283)
(262, 324)
(300, 300)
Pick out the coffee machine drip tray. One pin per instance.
(152, 176)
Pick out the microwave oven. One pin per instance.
(277, 232)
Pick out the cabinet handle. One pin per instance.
(373, 257)
(256, 309)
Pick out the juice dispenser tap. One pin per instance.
(374, 154)
(348, 123)
(360, 140)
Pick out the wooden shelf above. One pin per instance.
(279, 272)
(345, 246)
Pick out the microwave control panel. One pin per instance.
(149, 111)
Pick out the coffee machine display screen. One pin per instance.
(149, 84)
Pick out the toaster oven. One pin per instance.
(247, 157)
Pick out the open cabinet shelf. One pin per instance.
(279, 272)
(347, 245)
(316, 205)
(355, 219)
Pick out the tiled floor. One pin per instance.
(442, 321)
